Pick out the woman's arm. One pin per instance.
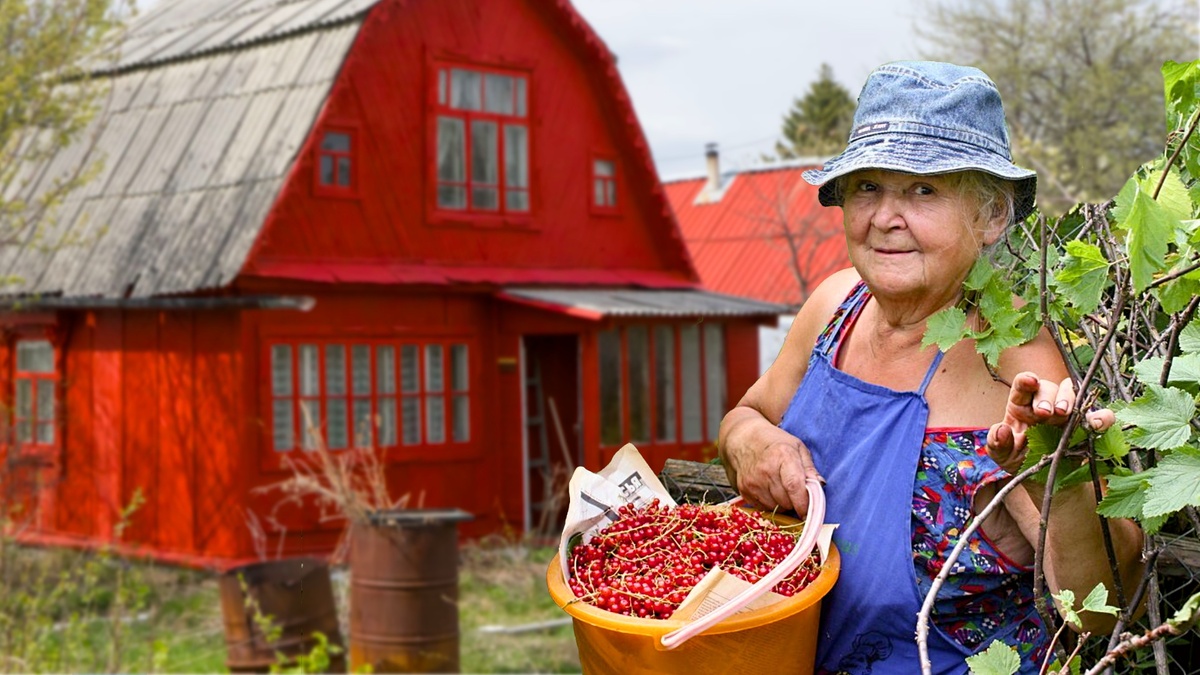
(768, 465)
(1075, 554)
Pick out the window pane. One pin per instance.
(485, 166)
(385, 364)
(485, 198)
(458, 367)
(35, 356)
(326, 170)
(282, 425)
(451, 150)
(25, 431)
(410, 410)
(387, 422)
(24, 398)
(343, 171)
(520, 97)
(603, 167)
(610, 387)
(664, 382)
(409, 382)
(45, 400)
(637, 341)
(464, 89)
(336, 437)
(45, 433)
(441, 86)
(689, 367)
(309, 382)
(516, 200)
(360, 370)
(452, 197)
(435, 418)
(310, 418)
(335, 370)
(598, 192)
(433, 369)
(362, 423)
(516, 156)
(335, 141)
(611, 189)
(281, 370)
(714, 377)
(461, 419)
(498, 94)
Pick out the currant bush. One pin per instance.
(646, 562)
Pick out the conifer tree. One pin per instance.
(819, 122)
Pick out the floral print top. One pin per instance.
(986, 597)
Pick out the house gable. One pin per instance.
(389, 227)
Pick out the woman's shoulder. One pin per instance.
(828, 295)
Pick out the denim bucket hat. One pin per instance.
(925, 118)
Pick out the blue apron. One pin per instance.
(866, 440)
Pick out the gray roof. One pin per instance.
(599, 303)
(210, 102)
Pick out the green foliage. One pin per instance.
(1119, 283)
(819, 122)
(997, 659)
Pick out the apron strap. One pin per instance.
(937, 359)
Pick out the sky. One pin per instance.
(702, 71)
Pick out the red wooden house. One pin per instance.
(759, 233)
(430, 227)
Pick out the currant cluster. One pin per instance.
(646, 562)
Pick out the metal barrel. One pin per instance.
(404, 592)
(297, 597)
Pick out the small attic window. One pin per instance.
(604, 184)
(336, 174)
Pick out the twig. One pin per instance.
(1154, 636)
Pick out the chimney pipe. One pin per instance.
(713, 160)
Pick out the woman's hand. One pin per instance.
(1031, 401)
(772, 475)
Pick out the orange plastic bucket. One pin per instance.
(779, 638)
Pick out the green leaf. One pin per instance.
(1097, 601)
(1003, 323)
(1066, 602)
(1175, 484)
(1176, 294)
(997, 659)
(1126, 495)
(945, 328)
(1084, 275)
(1189, 337)
(1150, 230)
(1185, 369)
(1173, 196)
(1185, 614)
(1180, 81)
(1161, 417)
(1111, 444)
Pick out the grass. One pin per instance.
(172, 617)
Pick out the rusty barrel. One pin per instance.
(404, 591)
(296, 595)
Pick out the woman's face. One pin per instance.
(912, 237)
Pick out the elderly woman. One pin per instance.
(909, 440)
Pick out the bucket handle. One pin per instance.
(800, 553)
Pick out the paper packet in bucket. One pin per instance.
(595, 499)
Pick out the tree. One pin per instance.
(1071, 72)
(819, 123)
(48, 99)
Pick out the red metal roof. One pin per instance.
(740, 243)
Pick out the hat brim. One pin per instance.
(922, 156)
